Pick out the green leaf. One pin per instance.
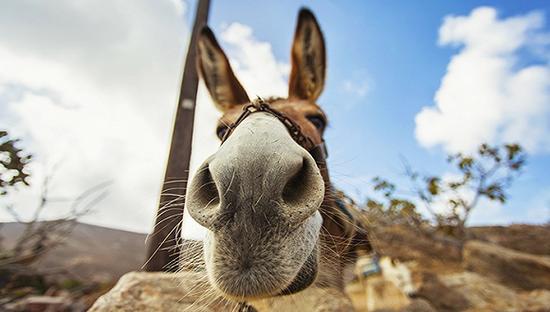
(433, 185)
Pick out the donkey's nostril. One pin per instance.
(293, 190)
(304, 190)
(203, 199)
(207, 192)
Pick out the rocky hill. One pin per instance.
(72, 275)
(502, 268)
(91, 252)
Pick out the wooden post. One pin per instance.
(162, 254)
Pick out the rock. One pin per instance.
(189, 291)
(143, 291)
(512, 268)
(528, 238)
(356, 292)
(419, 305)
(384, 295)
(536, 300)
(383, 285)
(406, 244)
(42, 303)
(429, 287)
(483, 294)
(310, 299)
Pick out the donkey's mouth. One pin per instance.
(252, 286)
(267, 264)
(306, 276)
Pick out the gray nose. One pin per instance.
(259, 177)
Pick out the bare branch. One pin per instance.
(486, 175)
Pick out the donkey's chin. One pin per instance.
(268, 263)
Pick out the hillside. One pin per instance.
(98, 256)
(91, 252)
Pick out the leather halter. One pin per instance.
(318, 152)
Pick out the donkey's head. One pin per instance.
(259, 195)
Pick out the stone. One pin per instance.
(419, 305)
(430, 288)
(139, 291)
(509, 267)
(310, 300)
(189, 291)
(383, 295)
(43, 303)
(484, 294)
(145, 291)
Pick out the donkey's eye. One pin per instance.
(221, 131)
(318, 121)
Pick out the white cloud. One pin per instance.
(489, 213)
(91, 85)
(357, 88)
(490, 92)
(358, 84)
(254, 62)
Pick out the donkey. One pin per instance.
(274, 225)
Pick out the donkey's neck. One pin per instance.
(333, 239)
(329, 208)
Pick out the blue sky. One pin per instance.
(88, 85)
(393, 51)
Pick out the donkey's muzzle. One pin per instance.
(259, 177)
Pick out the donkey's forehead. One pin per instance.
(291, 107)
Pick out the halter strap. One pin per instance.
(318, 152)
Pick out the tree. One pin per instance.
(391, 208)
(13, 164)
(38, 236)
(487, 174)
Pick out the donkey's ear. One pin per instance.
(225, 89)
(307, 77)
